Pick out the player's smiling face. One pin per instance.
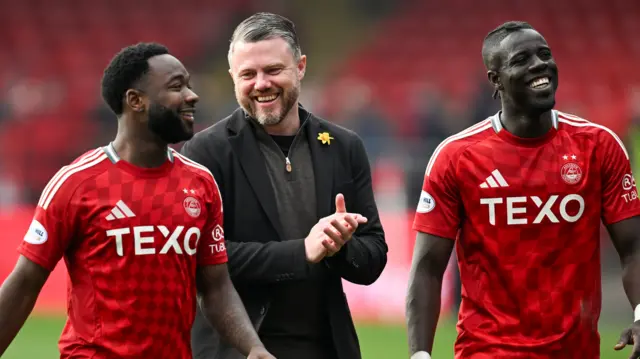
(529, 73)
(171, 100)
(266, 77)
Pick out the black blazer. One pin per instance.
(259, 256)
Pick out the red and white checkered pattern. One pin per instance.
(528, 246)
(131, 277)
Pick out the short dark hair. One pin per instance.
(265, 26)
(493, 39)
(125, 69)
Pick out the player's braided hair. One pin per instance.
(125, 69)
(493, 39)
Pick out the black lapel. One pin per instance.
(245, 146)
(322, 158)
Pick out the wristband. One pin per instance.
(425, 355)
(636, 313)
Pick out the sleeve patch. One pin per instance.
(426, 204)
(36, 234)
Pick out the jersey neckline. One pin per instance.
(138, 171)
(522, 141)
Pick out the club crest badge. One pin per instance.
(192, 206)
(571, 173)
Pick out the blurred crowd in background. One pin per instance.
(403, 74)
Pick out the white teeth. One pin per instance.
(539, 82)
(267, 98)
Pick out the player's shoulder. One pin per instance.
(192, 167)
(471, 135)
(70, 177)
(452, 146)
(576, 125)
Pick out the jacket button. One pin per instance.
(263, 310)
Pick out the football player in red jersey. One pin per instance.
(521, 197)
(139, 227)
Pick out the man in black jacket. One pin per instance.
(299, 210)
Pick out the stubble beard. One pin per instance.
(286, 100)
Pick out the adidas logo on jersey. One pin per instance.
(494, 181)
(121, 210)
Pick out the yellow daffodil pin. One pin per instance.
(325, 138)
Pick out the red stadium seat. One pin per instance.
(71, 41)
(441, 42)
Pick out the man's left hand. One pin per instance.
(630, 336)
(340, 232)
(260, 353)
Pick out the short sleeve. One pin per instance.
(619, 193)
(438, 211)
(52, 227)
(211, 247)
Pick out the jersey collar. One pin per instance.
(497, 124)
(110, 151)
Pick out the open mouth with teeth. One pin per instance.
(540, 83)
(188, 115)
(267, 98)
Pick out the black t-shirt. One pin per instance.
(284, 142)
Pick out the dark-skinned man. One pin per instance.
(521, 197)
(139, 227)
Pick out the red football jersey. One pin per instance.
(131, 239)
(526, 214)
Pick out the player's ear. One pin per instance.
(494, 79)
(135, 100)
(302, 66)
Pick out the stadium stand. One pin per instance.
(56, 52)
(595, 44)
